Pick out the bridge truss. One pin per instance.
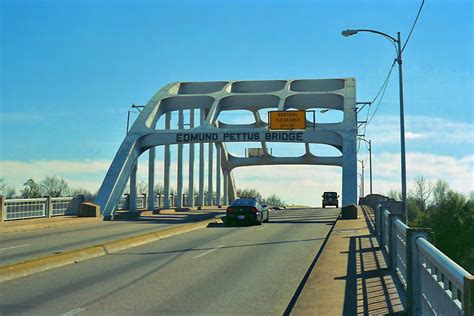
(213, 98)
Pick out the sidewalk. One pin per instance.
(32, 224)
(350, 277)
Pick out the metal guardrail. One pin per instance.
(434, 284)
(59, 205)
(400, 262)
(386, 230)
(442, 281)
(25, 208)
(14, 209)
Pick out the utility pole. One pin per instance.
(362, 193)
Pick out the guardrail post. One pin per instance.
(173, 202)
(468, 299)
(127, 201)
(48, 207)
(377, 219)
(413, 269)
(3, 211)
(145, 202)
(159, 200)
(392, 240)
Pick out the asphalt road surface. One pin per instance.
(219, 269)
(21, 246)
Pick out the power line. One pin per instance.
(382, 95)
(413, 26)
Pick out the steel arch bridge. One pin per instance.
(213, 98)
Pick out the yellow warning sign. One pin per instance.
(285, 120)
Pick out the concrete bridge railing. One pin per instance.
(433, 283)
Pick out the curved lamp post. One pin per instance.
(398, 44)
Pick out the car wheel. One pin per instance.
(259, 222)
(268, 218)
(324, 206)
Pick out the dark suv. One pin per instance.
(330, 198)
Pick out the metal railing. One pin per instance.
(25, 208)
(400, 244)
(434, 284)
(15, 209)
(59, 205)
(442, 281)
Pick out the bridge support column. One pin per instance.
(218, 175)
(132, 206)
(201, 165)
(191, 164)
(166, 171)
(151, 178)
(209, 170)
(349, 172)
(179, 185)
(225, 179)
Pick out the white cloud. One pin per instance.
(458, 172)
(385, 129)
(295, 184)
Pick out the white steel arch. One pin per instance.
(210, 98)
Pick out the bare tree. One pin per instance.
(3, 185)
(394, 194)
(54, 186)
(422, 192)
(79, 191)
(7, 191)
(142, 187)
(440, 190)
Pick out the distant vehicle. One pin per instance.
(246, 210)
(330, 199)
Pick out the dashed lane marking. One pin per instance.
(74, 311)
(208, 252)
(13, 247)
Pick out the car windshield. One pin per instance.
(245, 202)
(330, 194)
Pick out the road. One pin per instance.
(17, 247)
(222, 270)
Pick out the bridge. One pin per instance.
(173, 253)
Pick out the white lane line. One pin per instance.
(74, 311)
(208, 252)
(13, 247)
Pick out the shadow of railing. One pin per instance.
(371, 289)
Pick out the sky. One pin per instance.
(70, 70)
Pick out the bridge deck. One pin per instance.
(351, 276)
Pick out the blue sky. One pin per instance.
(71, 69)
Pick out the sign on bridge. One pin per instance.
(287, 120)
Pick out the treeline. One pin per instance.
(449, 214)
(272, 200)
(49, 186)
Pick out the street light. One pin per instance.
(398, 46)
(370, 160)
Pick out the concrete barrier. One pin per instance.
(89, 209)
(350, 212)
